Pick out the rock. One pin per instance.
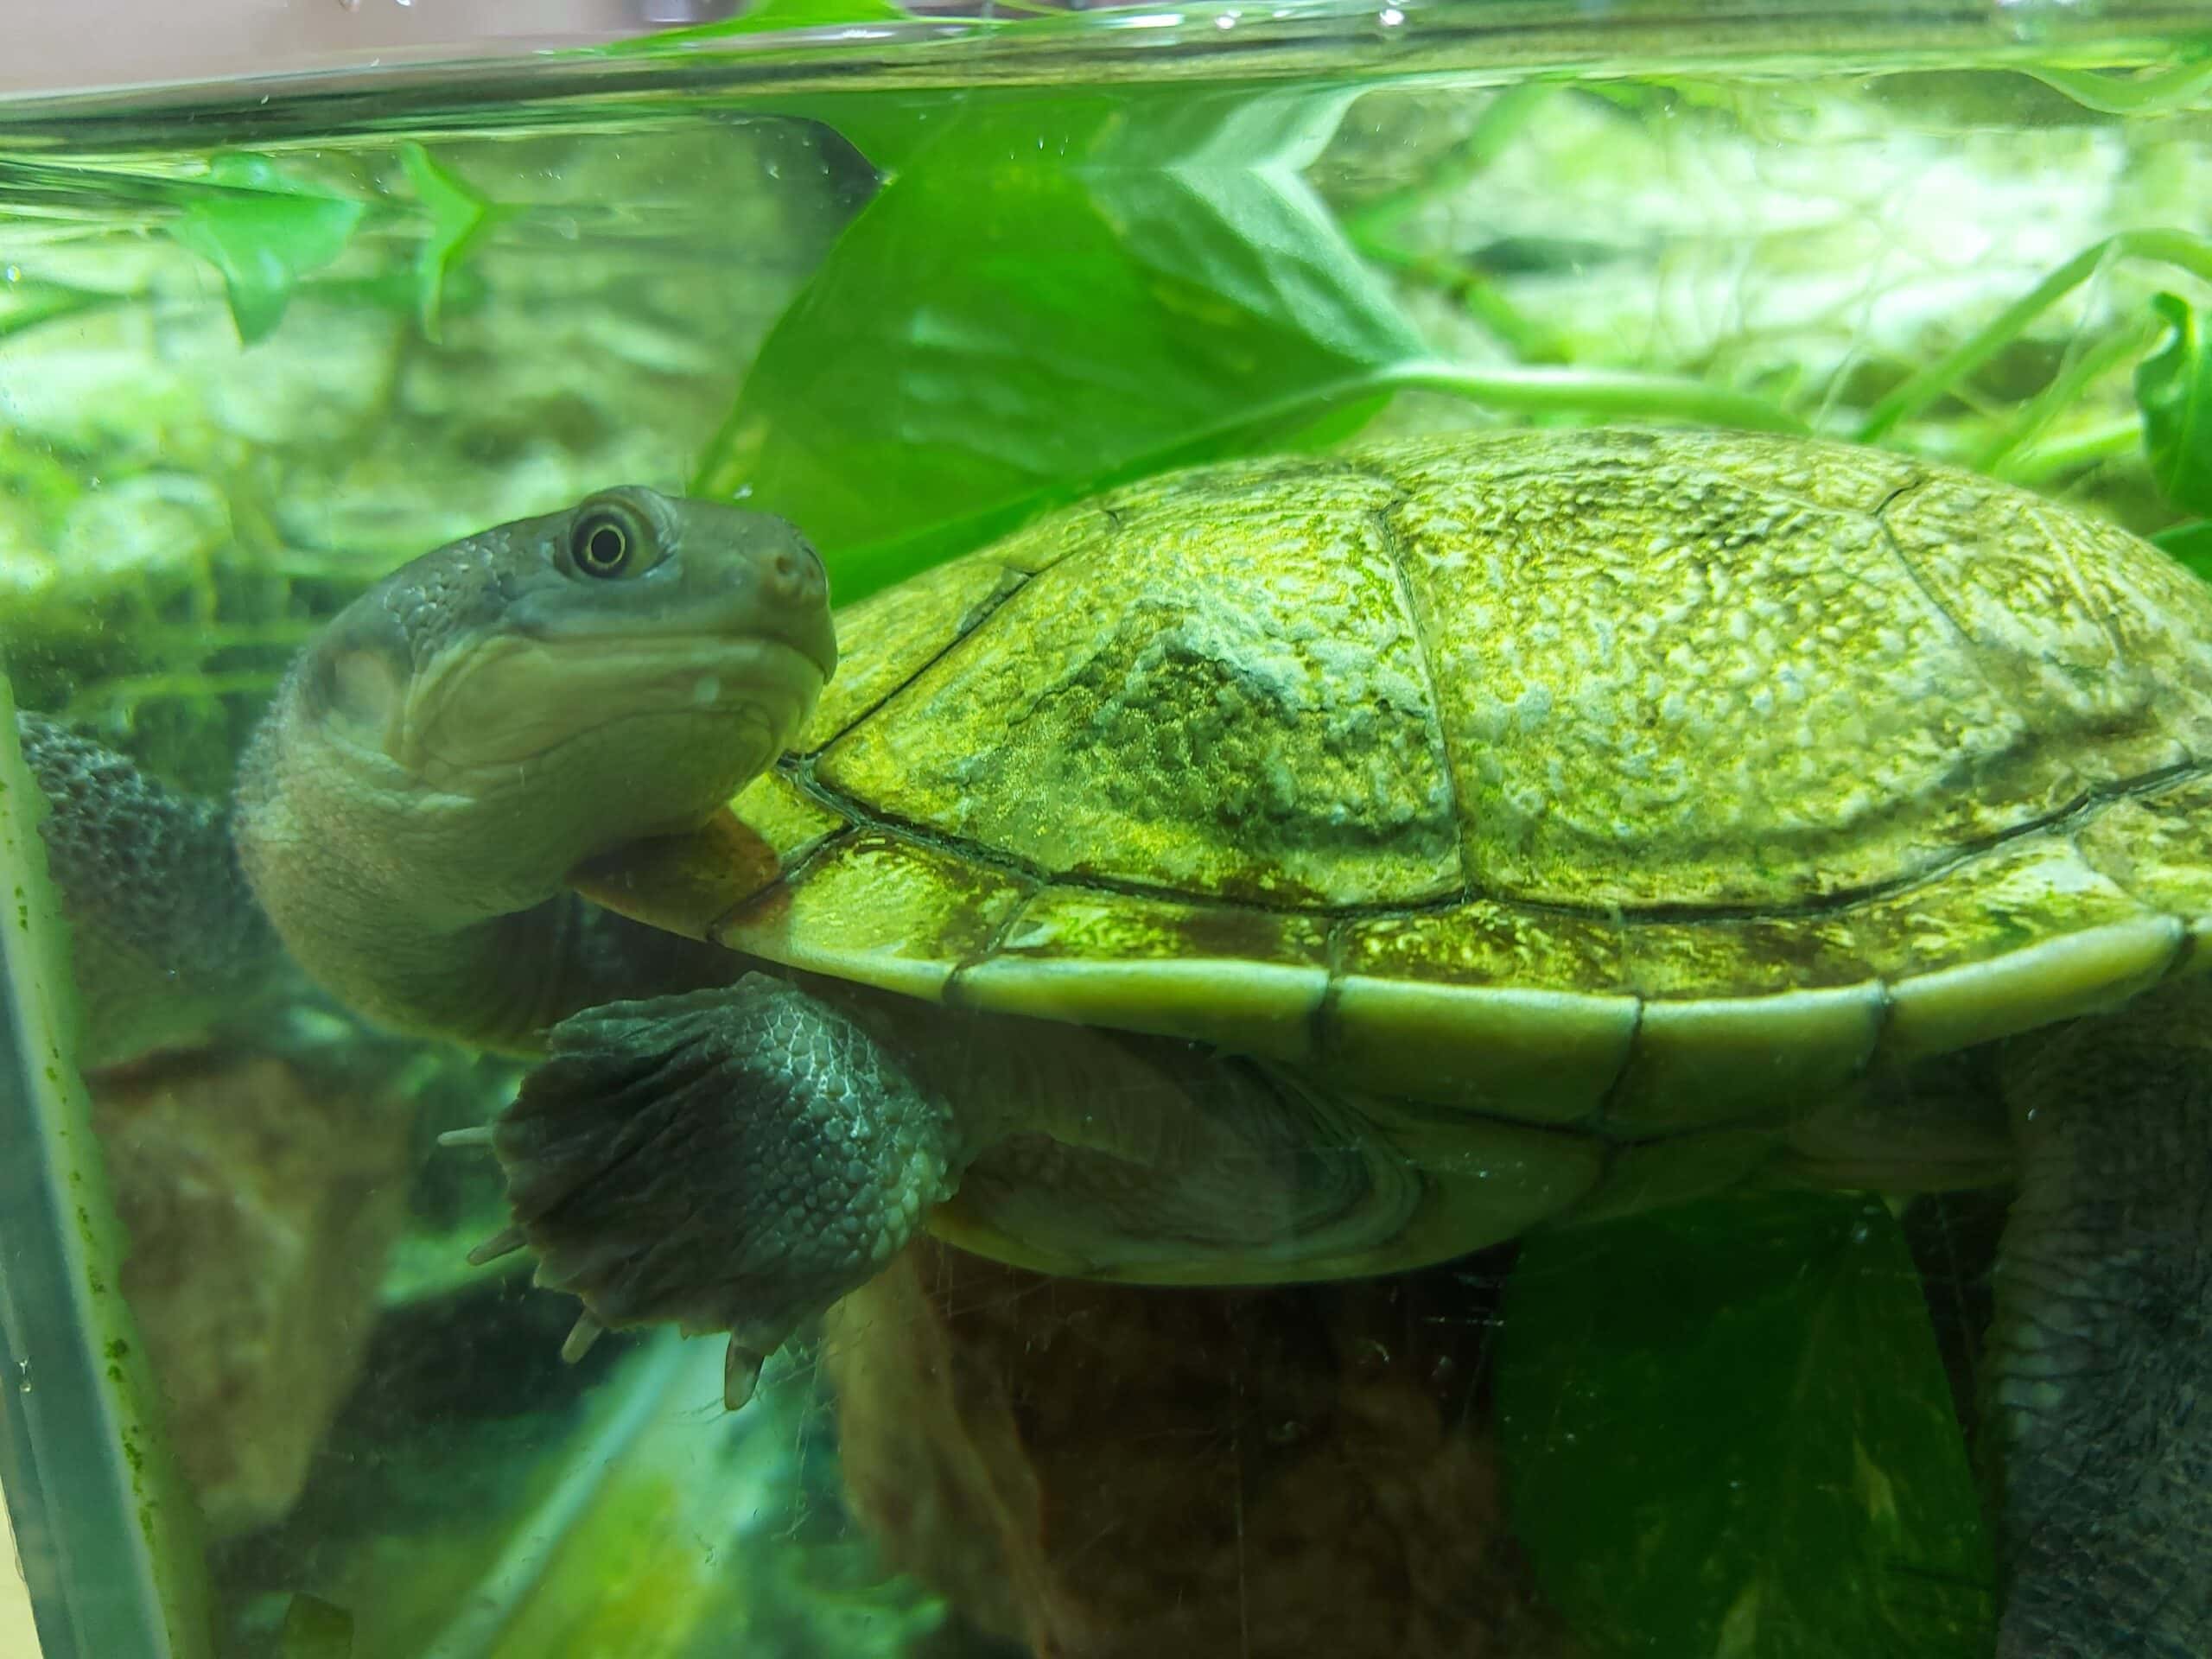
(259, 1202)
(1103, 1470)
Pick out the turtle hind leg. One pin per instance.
(2101, 1354)
(731, 1159)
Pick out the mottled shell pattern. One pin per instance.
(1622, 780)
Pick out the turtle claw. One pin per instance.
(505, 1241)
(730, 1160)
(741, 1375)
(586, 1332)
(480, 1136)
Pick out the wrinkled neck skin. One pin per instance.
(443, 911)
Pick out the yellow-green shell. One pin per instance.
(1617, 779)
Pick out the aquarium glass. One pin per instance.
(1688, 1370)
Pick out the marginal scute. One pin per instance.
(1529, 1054)
(879, 910)
(783, 814)
(1242, 979)
(1699, 1063)
(1488, 1007)
(1991, 906)
(2022, 934)
(1749, 957)
(2157, 848)
(1484, 942)
(683, 884)
(2093, 971)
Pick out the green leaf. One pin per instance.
(772, 15)
(1728, 1431)
(885, 125)
(1052, 294)
(768, 18)
(26, 305)
(264, 230)
(316, 1629)
(2173, 388)
(459, 219)
(2191, 544)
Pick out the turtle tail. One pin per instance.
(169, 943)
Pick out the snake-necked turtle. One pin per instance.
(1320, 866)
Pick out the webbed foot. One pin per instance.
(734, 1159)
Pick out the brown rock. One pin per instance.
(1103, 1472)
(259, 1204)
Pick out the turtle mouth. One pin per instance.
(808, 634)
(519, 701)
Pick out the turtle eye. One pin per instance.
(604, 543)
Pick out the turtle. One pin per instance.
(1305, 867)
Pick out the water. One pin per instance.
(258, 347)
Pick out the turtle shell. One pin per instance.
(1625, 780)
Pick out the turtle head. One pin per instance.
(499, 710)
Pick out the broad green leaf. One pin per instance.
(2173, 387)
(1052, 294)
(1727, 1432)
(2191, 544)
(886, 125)
(459, 219)
(264, 230)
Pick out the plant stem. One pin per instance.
(2176, 88)
(2038, 463)
(1609, 394)
(2064, 390)
(2190, 253)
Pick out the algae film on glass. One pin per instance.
(967, 832)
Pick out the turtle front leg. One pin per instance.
(2102, 1350)
(732, 1159)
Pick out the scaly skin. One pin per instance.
(170, 946)
(2102, 1350)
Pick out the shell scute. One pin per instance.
(1145, 711)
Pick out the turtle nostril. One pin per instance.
(797, 574)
